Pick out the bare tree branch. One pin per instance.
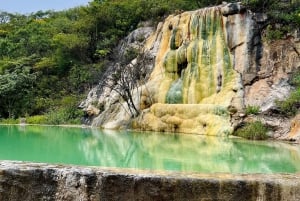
(127, 76)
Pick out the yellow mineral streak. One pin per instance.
(193, 48)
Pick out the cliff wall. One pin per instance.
(206, 67)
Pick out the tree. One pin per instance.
(15, 88)
(128, 77)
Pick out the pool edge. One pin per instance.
(41, 181)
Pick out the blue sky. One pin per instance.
(29, 6)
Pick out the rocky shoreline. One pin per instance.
(39, 181)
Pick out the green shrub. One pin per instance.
(66, 112)
(289, 106)
(68, 115)
(9, 121)
(253, 131)
(295, 80)
(252, 109)
(38, 119)
(274, 34)
(54, 118)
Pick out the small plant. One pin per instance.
(253, 131)
(273, 33)
(291, 104)
(252, 109)
(130, 54)
(295, 80)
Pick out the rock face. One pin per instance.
(104, 106)
(280, 59)
(27, 182)
(202, 64)
(209, 65)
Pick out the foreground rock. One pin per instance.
(32, 181)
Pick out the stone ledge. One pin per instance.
(38, 181)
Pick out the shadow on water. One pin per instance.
(146, 150)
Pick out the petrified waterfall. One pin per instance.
(194, 77)
(197, 63)
(209, 65)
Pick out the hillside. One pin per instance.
(50, 60)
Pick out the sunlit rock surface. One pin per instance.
(280, 59)
(31, 181)
(197, 74)
(187, 118)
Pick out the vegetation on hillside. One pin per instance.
(49, 60)
(283, 15)
(252, 109)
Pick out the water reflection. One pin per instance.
(86, 146)
(189, 153)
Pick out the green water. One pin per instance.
(192, 153)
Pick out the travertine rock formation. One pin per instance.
(31, 181)
(209, 65)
